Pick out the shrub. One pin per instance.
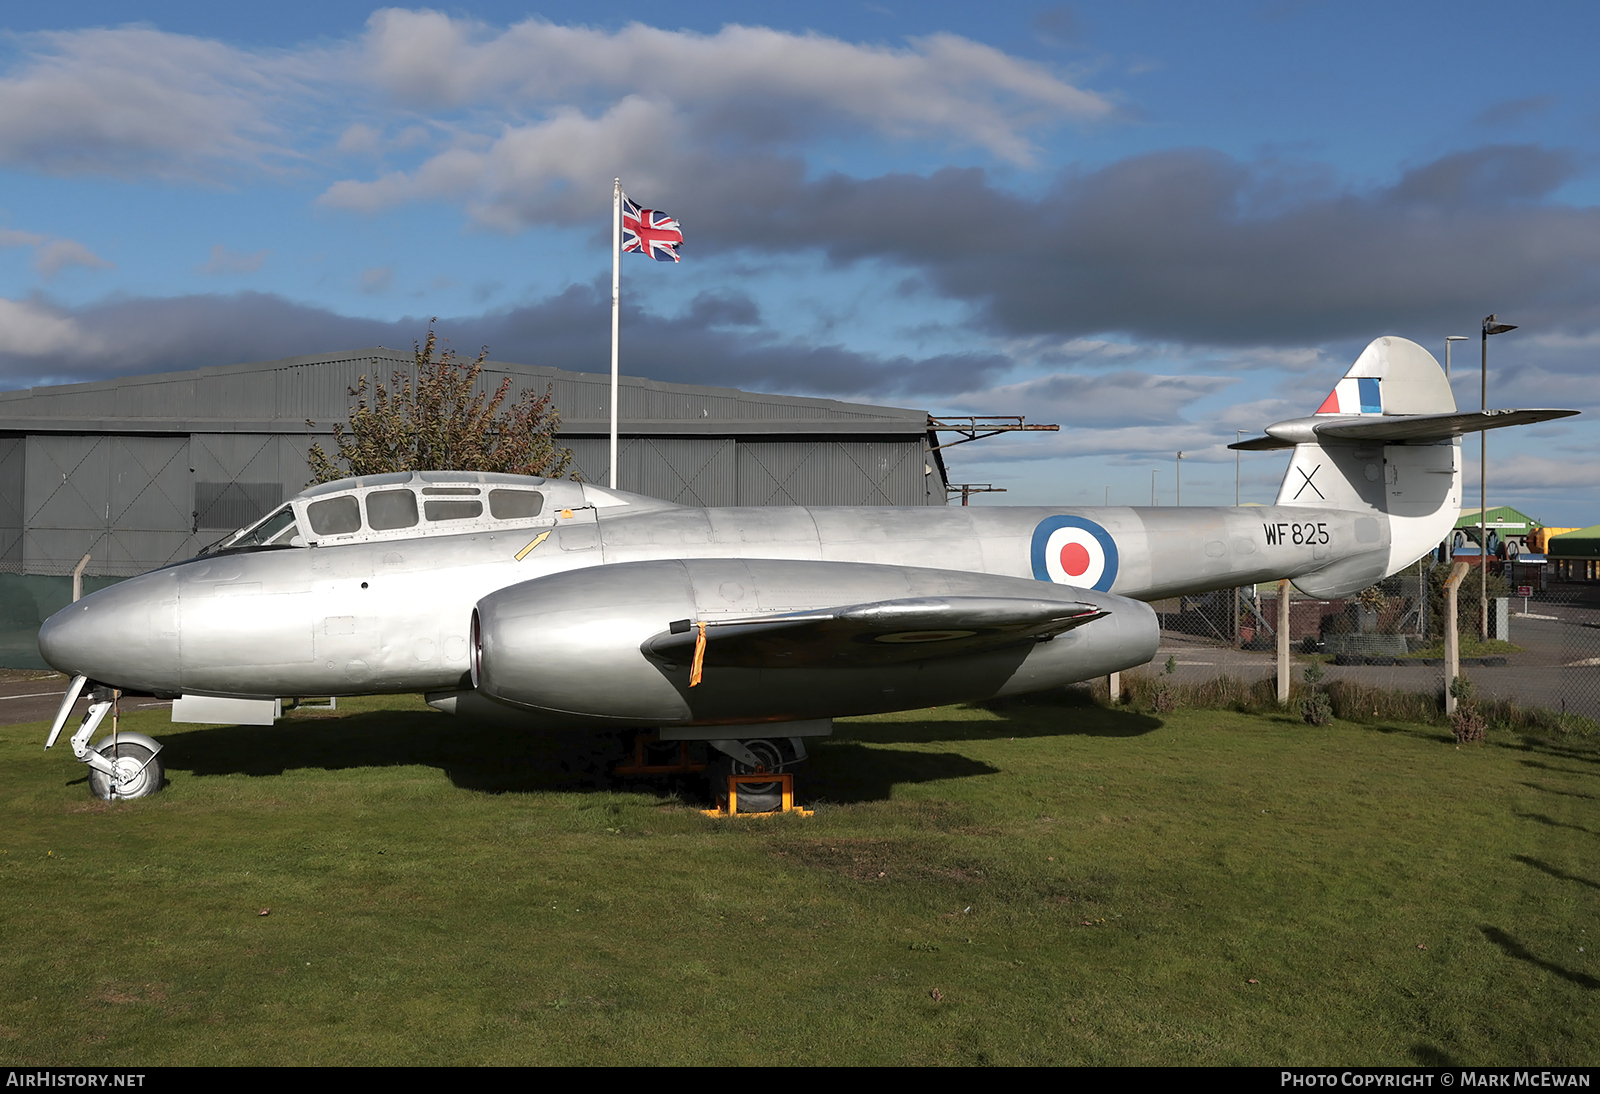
(1347, 700)
(1316, 710)
(1467, 724)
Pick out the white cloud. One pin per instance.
(516, 116)
(1523, 472)
(12, 237)
(138, 101)
(556, 169)
(30, 330)
(378, 279)
(941, 86)
(670, 109)
(360, 140)
(58, 254)
(50, 255)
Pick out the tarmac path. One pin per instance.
(1558, 667)
(34, 695)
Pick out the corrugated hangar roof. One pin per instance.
(279, 396)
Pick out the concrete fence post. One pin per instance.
(1283, 642)
(77, 578)
(1452, 636)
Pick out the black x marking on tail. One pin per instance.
(1309, 483)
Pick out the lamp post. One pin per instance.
(1491, 325)
(1179, 464)
(1237, 433)
(1152, 486)
(1447, 340)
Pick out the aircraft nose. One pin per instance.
(125, 636)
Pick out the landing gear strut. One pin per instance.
(121, 766)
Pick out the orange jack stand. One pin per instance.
(731, 800)
(641, 765)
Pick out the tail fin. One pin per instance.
(1394, 393)
(1386, 444)
(1392, 376)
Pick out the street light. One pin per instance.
(1491, 325)
(1152, 486)
(1179, 464)
(1447, 340)
(1237, 433)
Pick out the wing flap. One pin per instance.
(881, 633)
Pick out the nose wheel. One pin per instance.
(136, 772)
(121, 766)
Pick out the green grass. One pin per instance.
(1470, 647)
(1032, 882)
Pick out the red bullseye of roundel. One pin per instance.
(1075, 559)
(1074, 551)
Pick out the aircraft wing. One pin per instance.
(1395, 427)
(865, 635)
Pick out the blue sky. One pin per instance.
(1152, 223)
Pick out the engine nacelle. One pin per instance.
(569, 645)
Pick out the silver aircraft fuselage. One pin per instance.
(370, 611)
(551, 604)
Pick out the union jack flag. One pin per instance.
(649, 231)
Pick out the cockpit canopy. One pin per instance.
(406, 505)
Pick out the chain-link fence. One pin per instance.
(26, 601)
(1543, 648)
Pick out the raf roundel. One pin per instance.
(1074, 551)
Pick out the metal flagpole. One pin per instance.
(616, 304)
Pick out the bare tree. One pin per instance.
(442, 421)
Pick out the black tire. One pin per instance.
(753, 797)
(133, 757)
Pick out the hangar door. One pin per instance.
(127, 501)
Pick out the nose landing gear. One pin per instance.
(122, 766)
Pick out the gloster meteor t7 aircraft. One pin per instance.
(554, 604)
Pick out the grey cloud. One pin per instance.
(224, 262)
(1167, 246)
(1103, 401)
(1514, 110)
(717, 340)
(1487, 177)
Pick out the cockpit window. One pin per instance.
(278, 528)
(515, 504)
(334, 516)
(453, 510)
(388, 509)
